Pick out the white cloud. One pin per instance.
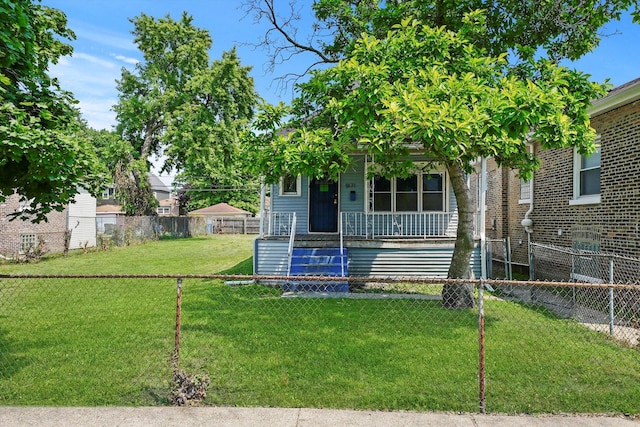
(126, 59)
(93, 83)
(98, 113)
(94, 60)
(102, 36)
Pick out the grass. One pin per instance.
(198, 255)
(109, 342)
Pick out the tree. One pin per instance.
(556, 29)
(203, 135)
(450, 89)
(42, 156)
(178, 102)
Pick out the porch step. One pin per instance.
(318, 262)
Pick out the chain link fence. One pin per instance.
(127, 230)
(606, 308)
(386, 344)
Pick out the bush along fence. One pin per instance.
(276, 341)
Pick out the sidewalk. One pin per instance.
(280, 417)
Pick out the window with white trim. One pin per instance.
(109, 192)
(525, 191)
(381, 194)
(290, 185)
(586, 177)
(415, 193)
(27, 242)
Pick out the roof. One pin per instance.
(168, 202)
(156, 184)
(109, 209)
(220, 209)
(617, 97)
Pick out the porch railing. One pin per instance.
(280, 223)
(372, 225)
(408, 225)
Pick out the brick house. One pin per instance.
(17, 235)
(577, 201)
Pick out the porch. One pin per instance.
(370, 226)
(375, 244)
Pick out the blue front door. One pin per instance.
(323, 206)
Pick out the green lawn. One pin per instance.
(109, 342)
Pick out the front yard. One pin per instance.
(110, 342)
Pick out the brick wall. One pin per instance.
(617, 216)
(10, 231)
(504, 211)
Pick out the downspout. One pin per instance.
(483, 203)
(527, 223)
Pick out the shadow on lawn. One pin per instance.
(243, 267)
(10, 362)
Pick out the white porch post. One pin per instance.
(263, 196)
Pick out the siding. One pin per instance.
(429, 262)
(82, 221)
(298, 204)
(271, 259)
(353, 180)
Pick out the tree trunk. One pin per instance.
(457, 296)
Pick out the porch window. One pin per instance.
(416, 193)
(407, 194)
(432, 192)
(290, 185)
(381, 194)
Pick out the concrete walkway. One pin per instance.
(281, 417)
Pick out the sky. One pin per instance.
(104, 44)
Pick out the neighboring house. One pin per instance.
(216, 215)
(585, 202)
(162, 193)
(17, 236)
(168, 207)
(159, 188)
(371, 227)
(107, 218)
(81, 220)
(221, 210)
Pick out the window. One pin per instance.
(290, 185)
(525, 191)
(109, 193)
(590, 174)
(416, 193)
(27, 242)
(381, 194)
(432, 192)
(586, 177)
(163, 210)
(407, 194)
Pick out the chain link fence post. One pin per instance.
(481, 371)
(176, 348)
(611, 315)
